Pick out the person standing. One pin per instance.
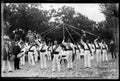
(23, 50)
(86, 54)
(77, 47)
(56, 58)
(70, 51)
(112, 49)
(105, 51)
(43, 53)
(81, 47)
(6, 58)
(31, 50)
(100, 55)
(49, 49)
(16, 51)
(90, 46)
(97, 51)
(63, 54)
(36, 53)
(26, 48)
(21, 47)
(92, 50)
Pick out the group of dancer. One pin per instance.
(38, 49)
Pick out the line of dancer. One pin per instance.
(66, 51)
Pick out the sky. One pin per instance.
(92, 11)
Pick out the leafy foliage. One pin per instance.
(110, 25)
(31, 16)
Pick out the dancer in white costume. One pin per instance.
(49, 50)
(23, 50)
(31, 50)
(36, 53)
(104, 51)
(56, 57)
(43, 52)
(97, 51)
(87, 54)
(70, 51)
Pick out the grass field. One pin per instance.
(106, 70)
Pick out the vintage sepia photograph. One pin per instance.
(60, 40)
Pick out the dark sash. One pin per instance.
(77, 48)
(30, 48)
(104, 48)
(97, 47)
(54, 50)
(48, 48)
(42, 50)
(88, 48)
(69, 48)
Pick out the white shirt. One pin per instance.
(96, 44)
(58, 48)
(100, 45)
(92, 47)
(32, 48)
(19, 44)
(26, 46)
(71, 45)
(104, 46)
(62, 52)
(23, 49)
(44, 48)
(49, 48)
(85, 46)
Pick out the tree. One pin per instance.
(26, 16)
(68, 15)
(31, 16)
(110, 10)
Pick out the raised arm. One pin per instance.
(106, 46)
(73, 48)
(37, 42)
(96, 39)
(63, 42)
(82, 42)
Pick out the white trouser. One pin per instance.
(105, 56)
(81, 52)
(78, 54)
(31, 59)
(64, 53)
(56, 62)
(69, 59)
(98, 55)
(49, 55)
(22, 60)
(36, 56)
(87, 58)
(43, 59)
(93, 56)
(4, 63)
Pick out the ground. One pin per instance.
(106, 70)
